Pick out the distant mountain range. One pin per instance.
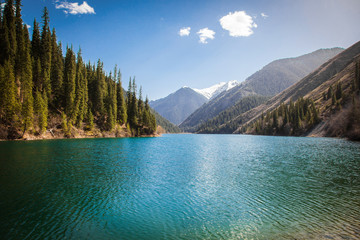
(324, 103)
(177, 106)
(270, 80)
(334, 89)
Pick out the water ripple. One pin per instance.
(181, 187)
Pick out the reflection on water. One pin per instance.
(181, 186)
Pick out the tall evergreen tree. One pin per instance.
(8, 100)
(36, 41)
(99, 90)
(69, 82)
(330, 92)
(79, 91)
(41, 111)
(121, 104)
(10, 25)
(141, 107)
(2, 36)
(20, 42)
(133, 116)
(27, 84)
(35, 53)
(338, 91)
(57, 72)
(81, 102)
(45, 54)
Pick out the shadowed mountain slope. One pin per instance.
(270, 80)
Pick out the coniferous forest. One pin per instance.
(44, 91)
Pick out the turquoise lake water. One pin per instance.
(180, 187)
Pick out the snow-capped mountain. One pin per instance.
(177, 106)
(216, 89)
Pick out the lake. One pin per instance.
(180, 187)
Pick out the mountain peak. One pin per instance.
(216, 89)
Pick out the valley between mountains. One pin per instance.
(316, 94)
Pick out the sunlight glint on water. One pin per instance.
(181, 186)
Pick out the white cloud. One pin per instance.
(205, 34)
(264, 15)
(74, 8)
(185, 31)
(28, 26)
(239, 24)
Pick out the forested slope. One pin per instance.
(324, 103)
(270, 80)
(44, 92)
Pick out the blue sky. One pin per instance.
(143, 37)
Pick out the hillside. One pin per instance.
(270, 80)
(179, 105)
(334, 90)
(213, 108)
(245, 104)
(164, 123)
(280, 74)
(46, 94)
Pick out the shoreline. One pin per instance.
(54, 134)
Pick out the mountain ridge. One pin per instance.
(178, 105)
(271, 79)
(319, 78)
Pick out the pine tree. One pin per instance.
(90, 119)
(35, 53)
(134, 107)
(330, 92)
(9, 22)
(99, 91)
(37, 74)
(121, 104)
(36, 41)
(20, 42)
(314, 113)
(2, 36)
(114, 94)
(152, 123)
(4, 41)
(69, 83)
(41, 112)
(140, 107)
(57, 72)
(64, 124)
(129, 100)
(297, 118)
(45, 54)
(27, 85)
(110, 104)
(333, 99)
(146, 119)
(81, 92)
(339, 91)
(9, 104)
(275, 119)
